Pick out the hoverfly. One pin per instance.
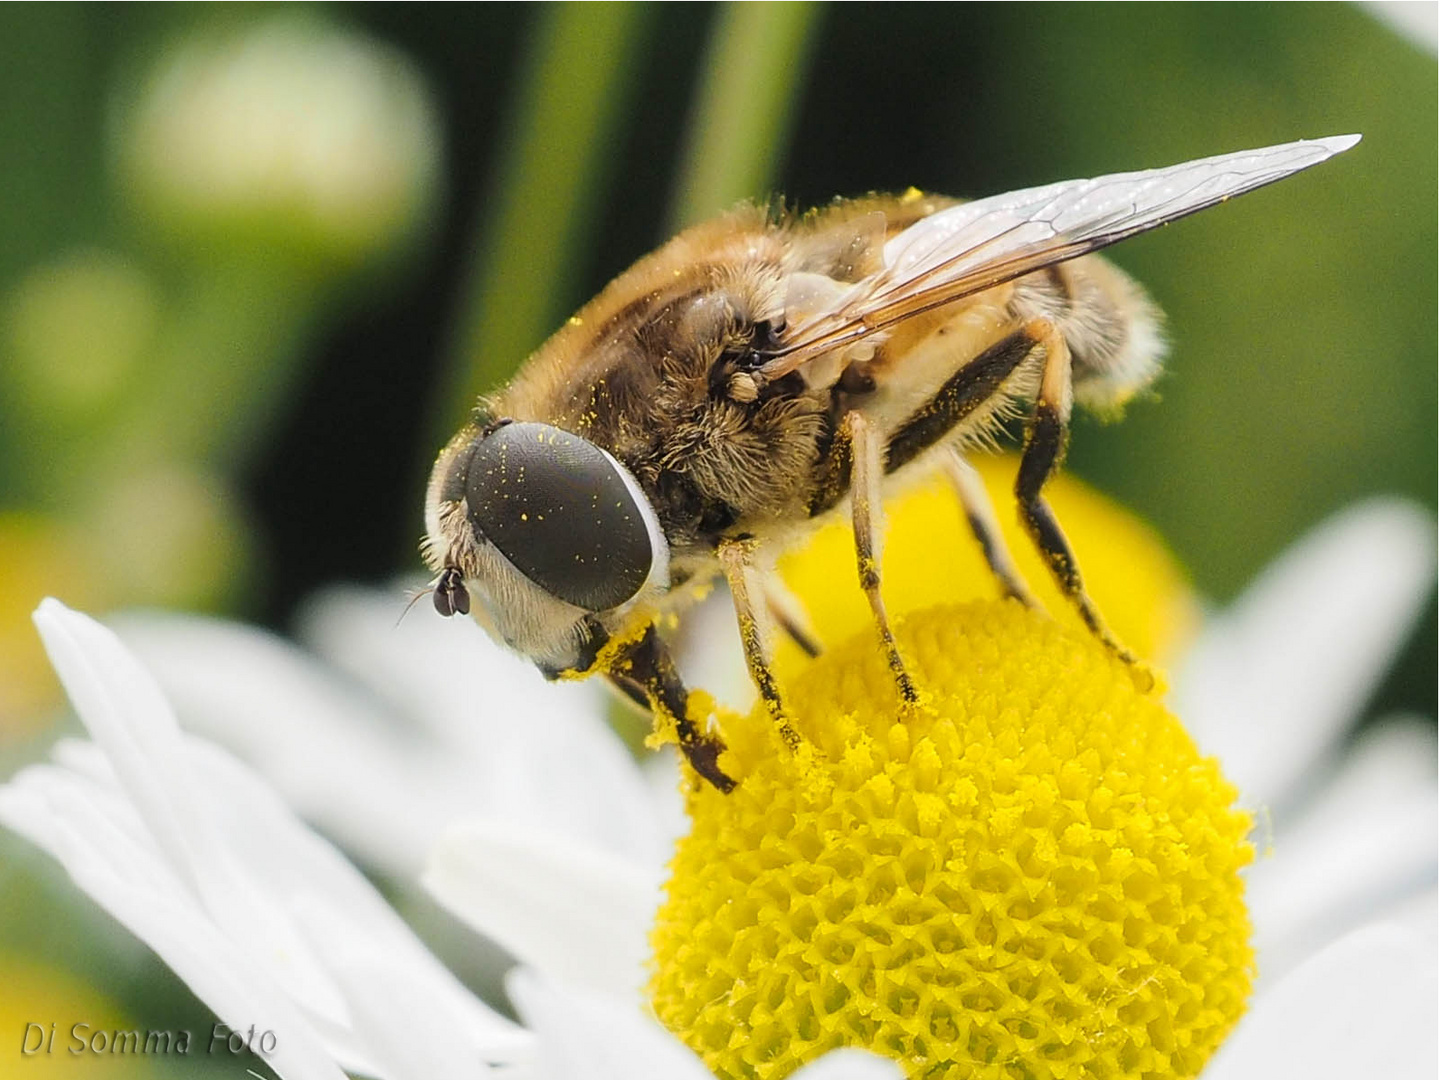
(755, 373)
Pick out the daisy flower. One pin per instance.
(560, 853)
(270, 926)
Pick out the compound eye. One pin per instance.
(564, 512)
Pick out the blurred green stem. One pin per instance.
(754, 66)
(521, 272)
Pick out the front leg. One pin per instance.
(868, 522)
(646, 666)
(734, 558)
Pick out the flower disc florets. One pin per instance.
(1035, 874)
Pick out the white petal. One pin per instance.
(257, 861)
(80, 818)
(662, 777)
(445, 675)
(131, 721)
(1413, 22)
(408, 1033)
(302, 871)
(851, 1065)
(1420, 913)
(127, 715)
(1277, 679)
(540, 752)
(1368, 837)
(73, 820)
(1363, 1007)
(245, 910)
(573, 912)
(709, 652)
(589, 1036)
(336, 756)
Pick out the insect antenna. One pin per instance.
(416, 595)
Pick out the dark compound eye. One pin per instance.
(561, 510)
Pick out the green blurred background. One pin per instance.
(255, 261)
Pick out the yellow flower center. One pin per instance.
(1035, 875)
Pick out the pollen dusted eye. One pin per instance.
(560, 510)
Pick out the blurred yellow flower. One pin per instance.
(47, 1018)
(170, 535)
(931, 557)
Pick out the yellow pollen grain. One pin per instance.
(1034, 875)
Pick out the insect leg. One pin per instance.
(790, 616)
(646, 665)
(632, 690)
(867, 519)
(965, 391)
(969, 388)
(980, 513)
(1044, 448)
(735, 563)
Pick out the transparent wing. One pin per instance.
(975, 246)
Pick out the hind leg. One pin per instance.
(1045, 442)
(980, 515)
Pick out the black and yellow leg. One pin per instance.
(980, 514)
(632, 690)
(645, 667)
(1045, 442)
(969, 389)
(972, 387)
(735, 560)
(868, 521)
(790, 616)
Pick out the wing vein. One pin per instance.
(971, 247)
